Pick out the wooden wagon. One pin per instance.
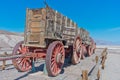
(52, 36)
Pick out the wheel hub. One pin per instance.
(78, 49)
(59, 58)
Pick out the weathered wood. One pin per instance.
(98, 74)
(84, 35)
(104, 57)
(46, 22)
(84, 75)
(96, 58)
(4, 61)
(4, 64)
(103, 63)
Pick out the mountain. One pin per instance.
(9, 39)
(103, 42)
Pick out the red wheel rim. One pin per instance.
(94, 48)
(84, 52)
(55, 58)
(77, 50)
(21, 64)
(90, 50)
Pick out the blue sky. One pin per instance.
(100, 17)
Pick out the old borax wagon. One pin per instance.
(52, 36)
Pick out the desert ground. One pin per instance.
(69, 71)
(112, 64)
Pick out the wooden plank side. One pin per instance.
(35, 28)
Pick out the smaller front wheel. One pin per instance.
(55, 58)
(21, 64)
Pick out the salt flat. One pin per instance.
(112, 66)
(108, 46)
(71, 72)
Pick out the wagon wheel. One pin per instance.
(55, 58)
(94, 47)
(77, 51)
(21, 64)
(84, 52)
(94, 50)
(93, 44)
(90, 50)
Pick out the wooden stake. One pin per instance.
(3, 66)
(98, 74)
(96, 58)
(84, 75)
(103, 63)
(4, 62)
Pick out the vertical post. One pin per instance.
(55, 20)
(96, 58)
(44, 69)
(104, 56)
(98, 74)
(26, 26)
(33, 66)
(103, 63)
(84, 75)
(75, 25)
(4, 62)
(71, 23)
(61, 22)
(3, 66)
(66, 21)
(65, 26)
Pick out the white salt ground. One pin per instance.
(112, 66)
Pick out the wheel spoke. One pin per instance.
(53, 59)
(55, 68)
(27, 64)
(53, 63)
(20, 61)
(56, 50)
(23, 65)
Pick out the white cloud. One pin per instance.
(114, 29)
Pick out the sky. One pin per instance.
(100, 17)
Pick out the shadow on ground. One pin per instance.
(41, 67)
